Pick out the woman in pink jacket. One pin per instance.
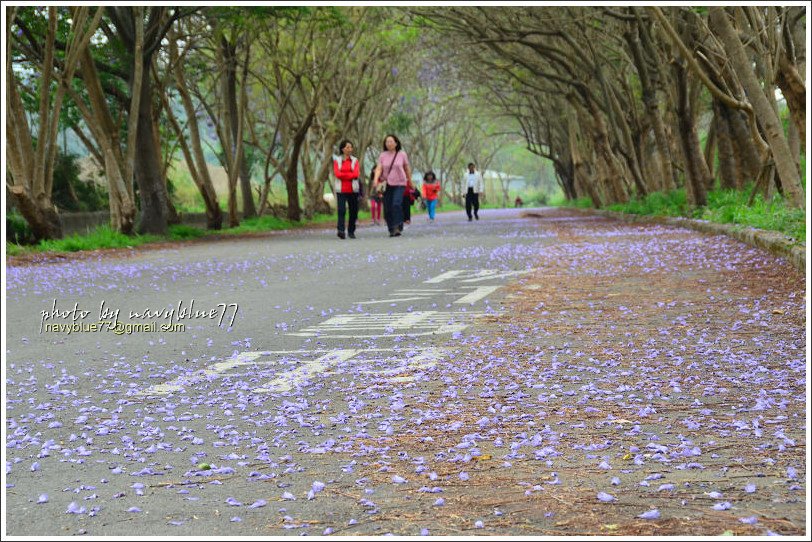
(394, 168)
(347, 169)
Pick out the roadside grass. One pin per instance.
(724, 207)
(101, 237)
(560, 200)
(730, 207)
(104, 237)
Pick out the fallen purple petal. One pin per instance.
(650, 514)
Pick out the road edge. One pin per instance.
(774, 242)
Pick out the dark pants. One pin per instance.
(472, 199)
(347, 200)
(393, 207)
(407, 207)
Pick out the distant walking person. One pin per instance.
(391, 174)
(475, 189)
(431, 191)
(347, 170)
(375, 201)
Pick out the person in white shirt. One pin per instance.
(475, 188)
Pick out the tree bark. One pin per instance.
(291, 174)
(745, 150)
(30, 164)
(100, 122)
(579, 174)
(729, 169)
(696, 171)
(151, 185)
(231, 66)
(787, 170)
(709, 154)
(794, 90)
(612, 176)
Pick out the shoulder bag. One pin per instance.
(382, 184)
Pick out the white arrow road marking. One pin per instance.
(474, 275)
(180, 383)
(386, 325)
(477, 294)
(305, 371)
(308, 363)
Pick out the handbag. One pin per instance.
(382, 184)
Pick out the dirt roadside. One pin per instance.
(645, 380)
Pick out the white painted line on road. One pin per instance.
(476, 295)
(307, 370)
(474, 275)
(418, 297)
(179, 383)
(428, 294)
(383, 325)
(296, 367)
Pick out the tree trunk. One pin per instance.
(30, 160)
(199, 171)
(151, 186)
(230, 61)
(612, 176)
(100, 122)
(172, 216)
(709, 154)
(696, 171)
(195, 159)
(729, 168)
(40, 214)
(291, 174)
(795, 145)
(794, 90)
(580, 169)
(566, 178)
(787, 170)
(669, 172)
(314, 187)
(744, 149)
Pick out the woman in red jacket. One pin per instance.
(347, 170)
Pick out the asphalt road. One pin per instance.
(249, 409)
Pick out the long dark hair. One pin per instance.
(430, 174)
(397, 142)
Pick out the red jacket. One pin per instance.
(346, 171)
(431, 190)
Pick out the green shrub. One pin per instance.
(18, 230)
(89, 196)
(182, 231)
(672, 203)
(13, 249)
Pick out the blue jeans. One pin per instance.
(431, 205)
(393, 207)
